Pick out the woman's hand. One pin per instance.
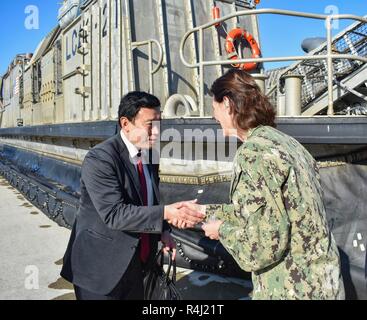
(168, 243)
(211, 229)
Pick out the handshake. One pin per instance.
(185, 214)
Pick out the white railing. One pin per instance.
(328, 57)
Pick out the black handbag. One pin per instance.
(197, 252)
(158, 284)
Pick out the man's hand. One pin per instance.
(195, 207)
(168, 243)
(211, 229)
(182, 216)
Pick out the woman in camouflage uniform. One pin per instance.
(275, 225)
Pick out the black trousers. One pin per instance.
(130, 287)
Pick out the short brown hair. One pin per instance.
(248, 104)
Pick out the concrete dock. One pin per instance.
(32, 247)
(31, 250)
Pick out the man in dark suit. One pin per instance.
(119, 222)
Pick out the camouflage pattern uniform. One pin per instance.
(275, 226)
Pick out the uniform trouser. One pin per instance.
(130, 287)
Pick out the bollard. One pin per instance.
(260, 80)
(293, 94)
(281, 104)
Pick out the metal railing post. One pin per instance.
(328, 57)
(201, 72)
(330, 71)
(150, 67)
(150, 58)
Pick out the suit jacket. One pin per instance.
(110, 218)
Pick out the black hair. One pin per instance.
(131, 104)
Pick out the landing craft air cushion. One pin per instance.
(59, 102)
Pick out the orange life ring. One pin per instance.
(235, 34)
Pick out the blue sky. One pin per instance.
(282, 36)
(279, 35)
(14, 36)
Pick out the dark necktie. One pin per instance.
(144, 244)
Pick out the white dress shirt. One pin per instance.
(133, 152)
